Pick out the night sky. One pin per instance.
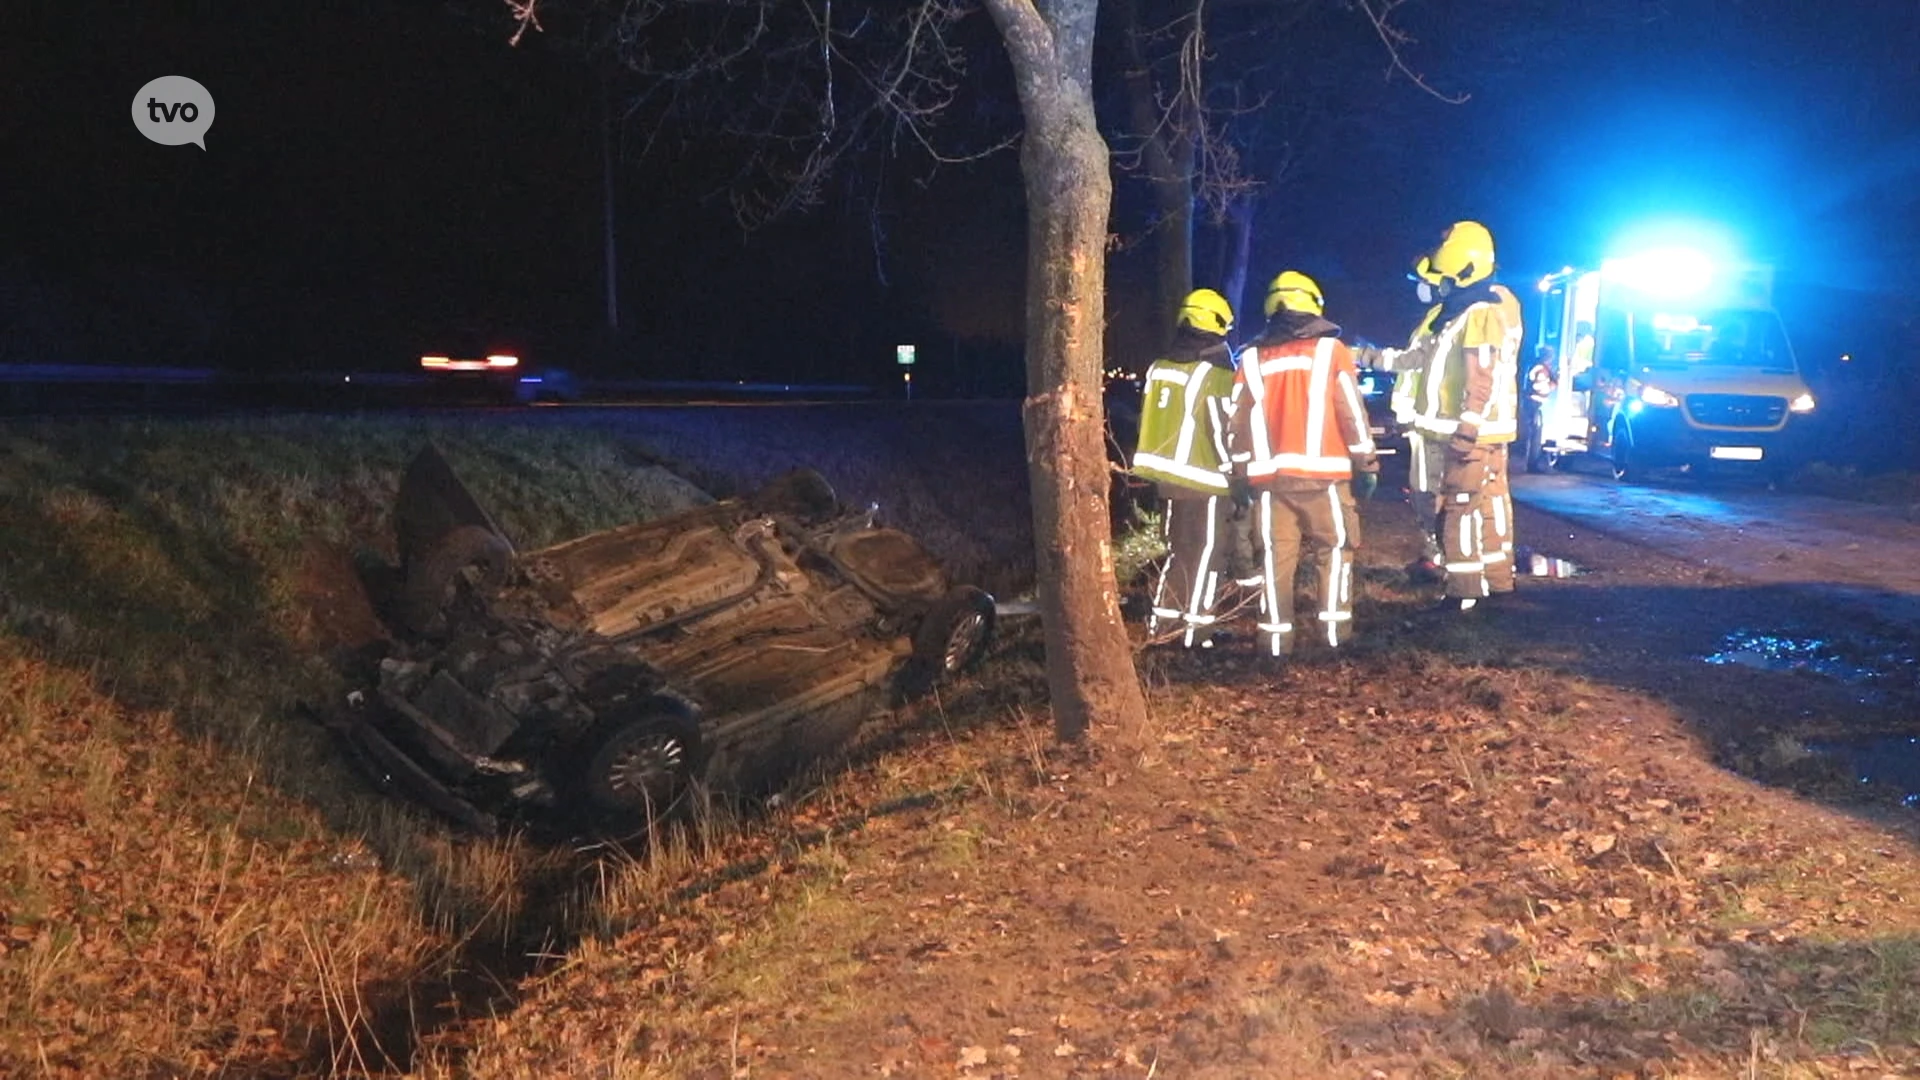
(380, 173)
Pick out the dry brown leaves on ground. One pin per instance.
(1304, 884)
(159, 917)
(1418, 860)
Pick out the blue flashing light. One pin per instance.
(1669, 272)
(1676, 324)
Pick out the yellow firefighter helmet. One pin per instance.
(1465, 255)
(1295, 291)
(1206, 311)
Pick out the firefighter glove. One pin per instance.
(1464, 441)
(1241, 491)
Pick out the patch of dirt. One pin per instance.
(332, 591)
(1548, 840)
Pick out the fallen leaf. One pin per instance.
(1601, 843)
(972, 1055)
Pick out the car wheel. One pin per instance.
(643, 768)
(430, 576)
(1625, 469)
(802, 493)
(952, 638)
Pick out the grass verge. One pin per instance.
(193, 882)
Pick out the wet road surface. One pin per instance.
(1862, 554)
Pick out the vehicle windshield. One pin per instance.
(1728, 338)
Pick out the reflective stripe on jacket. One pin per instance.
(1540, 382)
(1405, 399)
(1468, 372)
(1183, 425)
(1297, 411)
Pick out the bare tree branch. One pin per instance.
(1380, 14)
(524, 15)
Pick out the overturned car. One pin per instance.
(599, 681)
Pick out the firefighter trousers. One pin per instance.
(1198, 543)
(1496, 534)
(1314, 515)
(1426, 466)
(1476, 522)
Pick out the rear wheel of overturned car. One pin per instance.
(952, 638)
(643, 768)
(430, 576)
(801, 493)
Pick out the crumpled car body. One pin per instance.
(604, 679)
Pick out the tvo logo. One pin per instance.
(174, 110)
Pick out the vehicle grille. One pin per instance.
(1736, 410)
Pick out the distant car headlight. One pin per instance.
(1653, 395)
(1803, 403)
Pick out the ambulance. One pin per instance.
(1664, 359)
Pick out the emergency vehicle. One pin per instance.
(1666, 359)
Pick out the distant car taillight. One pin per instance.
(494, 362)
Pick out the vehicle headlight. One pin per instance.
(1803, 403)
(1653, 395)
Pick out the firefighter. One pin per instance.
(1300, 441)
(1580, 360)
(1182, 450)
(1426, 456)
(1539, 385)
(1467, 388)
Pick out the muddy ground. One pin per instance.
(1857, 552)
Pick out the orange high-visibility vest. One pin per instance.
(1297, 411)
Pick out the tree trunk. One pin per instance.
(1173, 235)
(1167, 152)
(1063, 159)
(1240, 243)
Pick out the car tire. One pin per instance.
(1625, 469)
(802, 493)
(430, 576)
(952, 638)
(642, 767)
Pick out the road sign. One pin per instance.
(905, 354)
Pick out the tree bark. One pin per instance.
(1063, 160)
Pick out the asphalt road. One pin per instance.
(1865, 555)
